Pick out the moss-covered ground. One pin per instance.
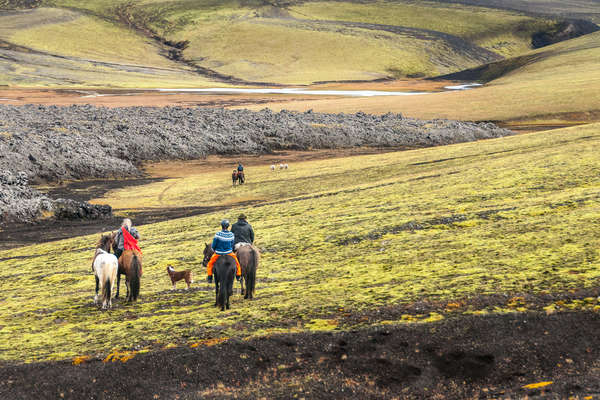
(432, 230)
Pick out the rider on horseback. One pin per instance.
(223, 245)
(119, 243)
(242, 231)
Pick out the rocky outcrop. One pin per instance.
(71, 209)
(18, 201)
(50, 144)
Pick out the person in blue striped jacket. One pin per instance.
(223, 245)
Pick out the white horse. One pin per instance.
(285, 166)
(105, 267)
(272, 167)
(280, 166)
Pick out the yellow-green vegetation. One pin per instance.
(255, 41)
(85, 37)
(315, 42)
(503, 32)
(341, 237)
(57, 47)
(554, 84)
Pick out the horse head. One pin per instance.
(208, 252)
(106, 242)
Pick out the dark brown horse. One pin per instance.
(130, 265)
(234, 177)
(224, 273)
(248, 256)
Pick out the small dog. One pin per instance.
(177, 276)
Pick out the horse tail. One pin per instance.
(107, 290)
(251, 278)
(135, 279)
(223, 288)
(223, 291)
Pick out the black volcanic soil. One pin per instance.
(470, 357)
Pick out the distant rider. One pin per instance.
(242, 231)
(240, 172)
(119, 244)
(223, 245)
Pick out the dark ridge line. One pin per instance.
(501, 5)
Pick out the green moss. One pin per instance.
(529, 206)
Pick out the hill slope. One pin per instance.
(183, 43)
(555, 84)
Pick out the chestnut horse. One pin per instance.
(130, 265)
(105, 267)
(237, 176)
(248, 256)
(224, 273)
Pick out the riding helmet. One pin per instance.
(225, 223)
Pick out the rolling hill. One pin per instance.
(117, 43)
(557, 84)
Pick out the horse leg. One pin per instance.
(97, 284)
(216, 292)
(229, 293)
(128, 295)
(242, 289)
(118, 284)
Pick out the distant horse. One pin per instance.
(224, 273)
(248, 256)
(241, 177)
(234, 177)
(104, 266)
(130, 265)
(272, 167)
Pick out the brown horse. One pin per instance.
(224, 273)
(234, 177)
(130, 265)
(248, 256)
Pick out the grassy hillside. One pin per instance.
(257, 42)
(581, 9)
(56, 47)
(555, 84)
(499, 226)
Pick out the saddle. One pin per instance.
(240, 244)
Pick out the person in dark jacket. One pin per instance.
(242, 231)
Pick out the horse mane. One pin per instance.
(104, 240)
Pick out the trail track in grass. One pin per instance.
(428, 231)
